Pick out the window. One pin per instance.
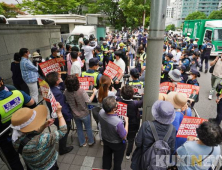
(218, 35)
(47, 22)
(208, 34)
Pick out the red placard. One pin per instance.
(138, 89)
(86, 83)
(52, 65)
(112, 70)
(188, 126)
(122, 109)
(166, 87)
(44, 89)
(188, 89)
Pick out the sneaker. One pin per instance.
(84, 145)
(101, 142)
(128, 157)
(206, 71)
(210, 97)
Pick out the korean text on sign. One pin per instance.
(188, 126)
(86, 82)
(112, 70)
(50, 66)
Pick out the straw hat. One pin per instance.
(35, 54)
(163, 112)
(162, 96)
(177, 99)
(24, 115)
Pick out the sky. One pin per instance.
(10, 1)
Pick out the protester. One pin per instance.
(113, 134)
(163, 113)
(76, 66)
(184, 75)
(202, 148)
(62, 50)
(55, 53)
(29, 73)
(88, 52)
(216, 76)
(77, 99)
(133, 114)
(81, 40)
(105, 89)
(18, 82)
(38, 145)
(57, 87)
(92, 71)
(176, 58)
(175, 75)
(5, 120)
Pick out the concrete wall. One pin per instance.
(14, 37)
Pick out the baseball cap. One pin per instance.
(54, 49)
(135, 73)
(98, 47)
(195, 72)
(169, 55)
(195, 45)
(182, 67)
(93, 62)
(207, 39)
(121, 44)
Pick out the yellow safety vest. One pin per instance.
(136, 83)
(162, 76)
(10, 104)
(94, 75)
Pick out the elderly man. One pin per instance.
(216, 75)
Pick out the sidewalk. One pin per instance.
(81, 158)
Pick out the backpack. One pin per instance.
(159, 147)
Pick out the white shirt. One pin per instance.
(76, 68)
(177, 57)
(88, 51)
(80, 40)
(122, 65)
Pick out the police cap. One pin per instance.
(195, 72)
(169, 55)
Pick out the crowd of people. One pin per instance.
(89, 58)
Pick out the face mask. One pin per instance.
(190, 77)
(58, 54)
(165, 58)
(29, 55)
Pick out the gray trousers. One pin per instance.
(214, 82)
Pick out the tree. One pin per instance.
(133, 11)
(170, 27)
(111, 9)
(196, 15)
(10, 10)
(50, 6)
(215, 15)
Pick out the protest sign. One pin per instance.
(188, 126)
(138, 89)
(113, 71)
(122, 110)
(188, 89)
(166, 87)
(52, 65)
(86, 83)
(48, 96)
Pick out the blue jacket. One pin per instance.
(59, 96)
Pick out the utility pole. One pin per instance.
(154, 56)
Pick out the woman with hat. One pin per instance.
(175, 75)
(163, 114)
(179, 101)
(37, 148)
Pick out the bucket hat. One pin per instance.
(163, 112)
(175, 75)
(178, 100)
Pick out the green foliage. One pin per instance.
(215, 15)
(10, 10)
(196, 15)
(50, 6)
(133, 11)
(170, 27)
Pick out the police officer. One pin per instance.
(192, 78)
(219, 103)
(205, 54)
(166, 68)
(184, 75)
(186, 60)
(92, 71)
(99, 54)
(10, 101)
(135, 74)
(195, 46)
(187, 38)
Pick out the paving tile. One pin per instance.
(123, 165)
(82, 151)
(88, 161)
(85, 168)
(75, 149)
(128, 163)
(99, 153)
(63, 166)
(97, 163)
(74, 167)
(78, 160)
(68, 159)
(4, 167)
(92, 152)
(60, 158)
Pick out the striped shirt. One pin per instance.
(40, 153)
(29, 71)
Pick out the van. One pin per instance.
(3, 20)
(87, 31)
(31, 21)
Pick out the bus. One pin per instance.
(31, 21)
